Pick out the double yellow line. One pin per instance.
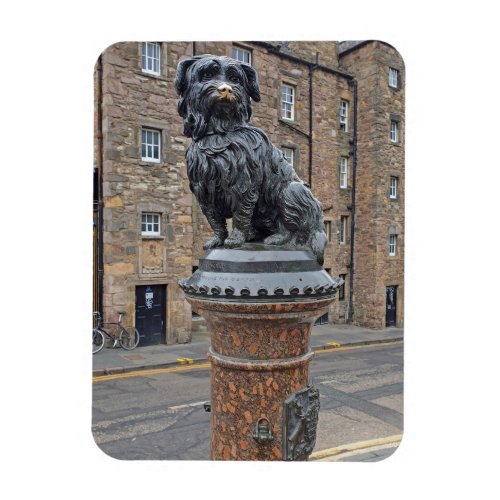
(188, 364)
(145, 373)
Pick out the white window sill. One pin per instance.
(148, 236)
(152, 73)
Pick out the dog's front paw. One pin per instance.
(277, 239)
(236, 239)
(214, 242)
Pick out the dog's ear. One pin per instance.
(181, 83)
(253, 83)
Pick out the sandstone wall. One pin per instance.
(378, 159)
(131, 100)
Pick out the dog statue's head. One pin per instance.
(215, 94)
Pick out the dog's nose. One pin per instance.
(225, 91)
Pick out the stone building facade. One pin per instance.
(336, 129)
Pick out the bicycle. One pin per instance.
(128, 338)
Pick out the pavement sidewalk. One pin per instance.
(117, 360)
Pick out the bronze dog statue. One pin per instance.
(234, 170)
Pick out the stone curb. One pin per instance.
(116, 370)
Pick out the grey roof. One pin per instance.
(349, 44)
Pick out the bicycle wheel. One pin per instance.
(97, 340)
(129, 338)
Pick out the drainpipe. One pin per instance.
(354, 143)
(100, 157)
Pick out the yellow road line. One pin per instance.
(333, 344)
(188, 364)
(348, 348)
(145, 373)
(359, 447)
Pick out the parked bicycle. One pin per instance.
(126, 337)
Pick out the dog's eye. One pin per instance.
(234, 79)
(208, 74)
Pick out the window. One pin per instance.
(150, 145)
(343, 172)
(328, 229)
(393, 77)
(394, 131)
(242, 55)
(288, 153)
(392, 244)
(344, 115)
(151, 58)
(393, 188)
(343, 229)
(150, 224)
(287, 102)
(342, 287)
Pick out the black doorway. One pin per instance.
(150, 313)
(390, 305)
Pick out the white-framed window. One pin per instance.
(392, 244)
(328, 229)
(150, 145)
(242, 55)
(287, 101)
(394, 131)
(151, 58)
(288, 153)
(343, 172)
(150, 224)
(393, 188)
(393, 77)
(344, 115)
(343, 229)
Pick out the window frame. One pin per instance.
(237, 48)
(343, 175)
(328, 230)
(292, 154)
(146, 58)
(150, 159)
(291, 104)
(393, 73)
(344, 115)
(393, 190)
(394, 137)
(152, 232)
(343, 230)
(393, 238)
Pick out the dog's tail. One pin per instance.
(317, 243)
(303, 217)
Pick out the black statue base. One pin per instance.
(260, 272)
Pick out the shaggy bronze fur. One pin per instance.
(234, 170)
